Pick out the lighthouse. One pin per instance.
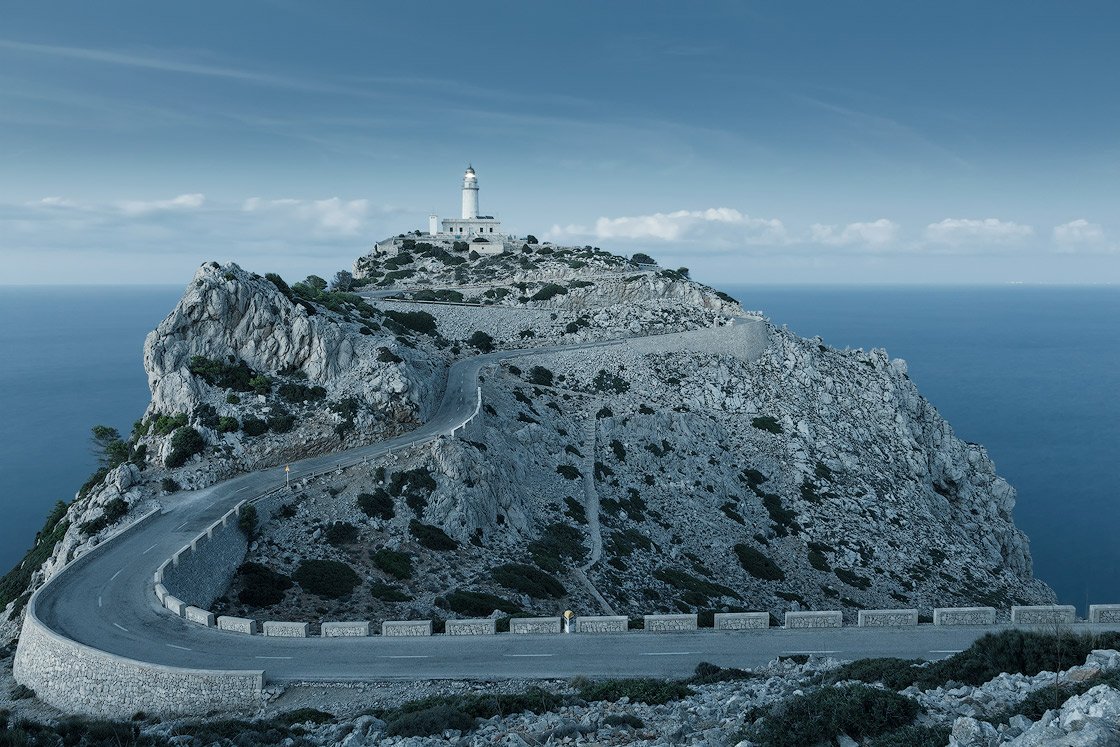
(470, 194)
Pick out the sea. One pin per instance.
(1030, 372)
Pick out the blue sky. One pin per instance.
(778, 142)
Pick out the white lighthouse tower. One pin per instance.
(470, 194)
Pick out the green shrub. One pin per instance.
(417, 321)
(184, 444)
(756, 563)
(912, 736)
(641, 690)
(479, 604)
(610, 382)
(548, 292)
(852, 579)
(376, 505)
(540, 376)
(111, 513)
(227, 424)
(707, 674)
(296, 392)
(559, 542)
(396, 564)
(783, 518)
(254, 426)
(569, 472)
(304, 715)
(341, 533)
(260, 585)
(247, 521)
(678, 579)
(896, 674)
(387, 592)
(281, 422)
(820, 715)
(431, 537)
(236, 376)
(385, 355)
(481, 341)
(170, 485)
(165, 424)
(767, 423)
(529, 580)
(817, 558)
(326, 578)
(628, 720)
(429, 722)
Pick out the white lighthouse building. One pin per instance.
(482, 232)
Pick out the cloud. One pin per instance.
(875, 233)
(1078, 231)
(182, 202)
(958, 231)
(719, 225)
(332, 215)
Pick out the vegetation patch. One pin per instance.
(431, 537)
(235, 374)
(184, 444)
(697, 591)
(767, 423)
(821, 715)
(529, 580)
(396, 564)
(260, 585)
(558, 544)
(341, 533)
(326, 578)
(758, 564)
(387, 592)
(417, 321)
(569, 472)
(852, 579)
(479, 604)
(14, 584)
(376, 505)
(650, 690)
(112, 512)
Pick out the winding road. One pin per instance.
(105, 600)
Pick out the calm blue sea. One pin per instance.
(1032, 373)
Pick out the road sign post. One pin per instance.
(287, 475)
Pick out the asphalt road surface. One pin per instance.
(105, 600)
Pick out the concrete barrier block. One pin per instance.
(887, 618)
(161, 592)
(237, 624)
(1048, 614)
(345, 629)
(174, 605)
(179, 554)
(741, 621)
(602, 624)
(964, 616)
(1104, 613)
(200, 616)
(541, 625)
(669, 623)
(823, 619)
(279, 629)
(401, 628)
(478, 626)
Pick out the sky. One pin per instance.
(769, 142)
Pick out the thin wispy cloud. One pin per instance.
(960, 231)
(875, 233)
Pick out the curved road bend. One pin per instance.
(106, 601)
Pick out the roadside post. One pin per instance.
(287, 475)
(568, 615)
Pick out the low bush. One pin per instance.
(281, 422)
(852, 579)
(767, 423)
(341, 533)
(396, 564)
(697, 591)
(111, 512)
(479, 604)
(326, 578)
(820, 715)
(170, 485)
(641, 690)
(534, 700)
(481, 341)
(756, 563)
(628, 720)
(376, 505)
(549, 291)
(431, 537)
(429, 722)
(707, 674)
(912, 736)
(540, 376)
(529, 580)
(557, 544)
(184, 444)
(247, 521)
(610, 382)
(260, 585)
(387, 592)
(894, 673)
(165, 424)
(417, 321)
(296, 392)
(254, 426)
(569, 472)
(227, 424)
(233, 375)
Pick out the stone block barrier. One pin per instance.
(1049, 614)
(964, 616)
(402, 628)
(1104, 613)
(669, 623)
(345, 629)
(741, 621)
(602, 624)
(826, 619)
(200, 616)
(237, 625)
(161, 592)
(887, 618)
(535, 625)
(174, 605)
(478, 626)
(278, 629)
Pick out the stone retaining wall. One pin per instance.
(538, 625)
(669, 623)
(887, 618)
(964, 616)
(741, 621)
(1051, 614)
(345, 629)
(283, 629)
(814, 619)
(483, 626)
(83, 680)
(401, 628)
(602, 624)
(201, 572)
(1104, 613)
